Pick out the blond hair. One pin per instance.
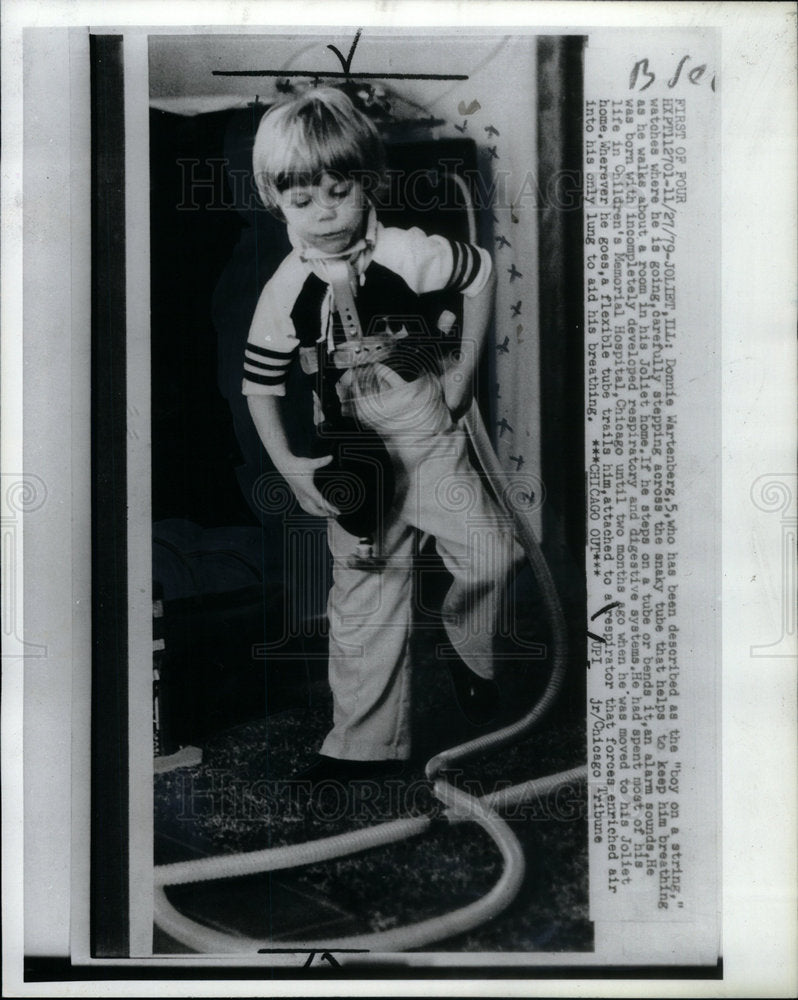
(319, 132)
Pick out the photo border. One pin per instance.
(750, 56)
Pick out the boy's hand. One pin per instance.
(299, 473)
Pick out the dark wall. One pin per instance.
(194, 234)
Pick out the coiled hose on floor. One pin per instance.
(415, 935)
(461, 806)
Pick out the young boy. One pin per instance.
(340, 305)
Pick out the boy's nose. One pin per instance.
(325, 208)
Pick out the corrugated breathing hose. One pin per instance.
(487, 458)
(559, 639)
(416, 935)
(461, 806)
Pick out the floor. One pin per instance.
(241, 798)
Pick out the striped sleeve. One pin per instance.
(272, 343)
(266, 370)
(471, 266)
(434, 263)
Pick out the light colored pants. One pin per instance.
(370, 613)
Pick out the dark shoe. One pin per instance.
(477, 697)
(344, 771)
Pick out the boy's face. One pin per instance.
(328, 216)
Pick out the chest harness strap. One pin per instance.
(339, 272)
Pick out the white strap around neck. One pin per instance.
(340, 276)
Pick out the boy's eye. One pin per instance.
(341, 190)
(301, 201)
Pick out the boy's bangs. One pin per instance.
(308, 155)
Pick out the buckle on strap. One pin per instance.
(363, 351)
(350, 354)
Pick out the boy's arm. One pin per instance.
(298, 472)
(458, 380)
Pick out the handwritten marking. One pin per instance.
(517, 308)
(605, 609)
(347, 63)
(597, 638)
(642, 69)
(336, 75)
(468, 109)
(326, 956)
(504, 347)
